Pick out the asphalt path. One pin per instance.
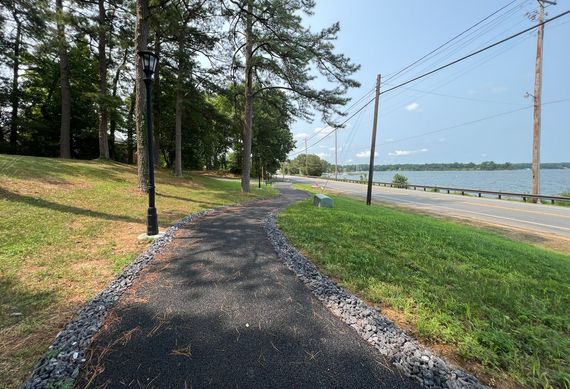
(219, 309)
(534, 218)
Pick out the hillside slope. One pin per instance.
(67, 228)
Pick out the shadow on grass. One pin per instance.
(41, 203)
(19, 302)
(26, 167)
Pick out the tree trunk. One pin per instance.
(141, 39)
(156, 102)
(179, 96)
(115, 86)
(15, 96)
(248, 114)
(130, 124)
(65, 129)
(103, 111)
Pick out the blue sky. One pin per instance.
(385, 36)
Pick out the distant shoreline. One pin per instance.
(485, 166)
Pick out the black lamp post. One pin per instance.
(148, 62)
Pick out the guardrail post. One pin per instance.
(448, 191)
(499, 196)
(479, 194)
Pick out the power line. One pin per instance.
(348, 109)
(393, 75)
(475, 52)
(472, 122)
(443, 67)
(420, 59)
(449, 41)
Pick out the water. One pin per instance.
(553, 181)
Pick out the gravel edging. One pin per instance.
(59, 366)
(401, 349)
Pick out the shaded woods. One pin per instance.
(232, 77)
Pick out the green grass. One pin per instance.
(67, 228)
(501, 303)
(564, 203)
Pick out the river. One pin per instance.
(553, 181)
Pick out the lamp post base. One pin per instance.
(146, 237)
(151, 222)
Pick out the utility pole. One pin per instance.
(535, 186)
(335, 156)
(306, 160)
(373, 143)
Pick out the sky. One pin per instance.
(426, 121)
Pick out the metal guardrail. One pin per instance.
(463, 191)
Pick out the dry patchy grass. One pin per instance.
(68, 227)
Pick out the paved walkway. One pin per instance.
(219, 309)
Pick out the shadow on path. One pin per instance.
(219, 309)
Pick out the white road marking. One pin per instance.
(476, 213)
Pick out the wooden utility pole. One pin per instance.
(535, 186)
(306, 160)
(373, 143)
(335, 156)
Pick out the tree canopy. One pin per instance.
(232, 77)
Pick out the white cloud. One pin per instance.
(332, 149)
(413, 107)
(442, 139)
(365, 154)
(483, 155)
(402, 153)
(301, 135)
(322, 155)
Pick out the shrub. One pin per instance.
(400, 181)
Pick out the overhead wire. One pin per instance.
(450, 43)
(500, 114)
(425, 56)
(463, 58)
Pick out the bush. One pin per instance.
(564, 203)
(400, 181)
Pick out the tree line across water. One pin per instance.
(485, 166)
(313, 165)
(232, 76)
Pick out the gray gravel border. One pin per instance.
(59, 367)
(401, 349)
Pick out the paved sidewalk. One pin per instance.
(219, 309)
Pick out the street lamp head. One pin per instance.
(148, 62)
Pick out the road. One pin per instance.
(535, 218)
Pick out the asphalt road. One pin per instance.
(529, 217)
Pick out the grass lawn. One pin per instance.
(500, 303)
(67, 228)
